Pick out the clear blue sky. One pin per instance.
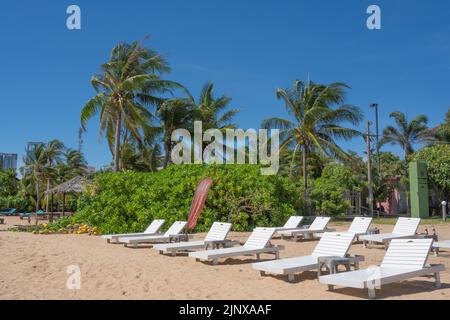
(248, 48)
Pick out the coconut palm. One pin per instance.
(76, 164)
(173, 114)
(126, 88)
(211, 110)
(318, 112)
(407, 134)
(35, 167)
(53, 152)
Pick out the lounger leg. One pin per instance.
(364, 243)
(291, 277)
(371, 292)
(277, 255)
(174, 253)
(258, 256)
(436, 252)
(108, 241)
(437, 278)
(356, 265)
(386, 245)
(215, 261)
(330, 287)
(262, 273)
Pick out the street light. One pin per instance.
(375, 106)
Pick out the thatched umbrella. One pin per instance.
(75, 185)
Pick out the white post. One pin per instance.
(444, 210)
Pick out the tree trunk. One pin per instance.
(37, 195)
(48, 188)
(305, 179)
(166, 153)
(117, 143)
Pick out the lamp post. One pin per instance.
(369, 170)
(375, 106)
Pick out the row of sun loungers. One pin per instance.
(406, 256)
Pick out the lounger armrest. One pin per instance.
(180, 237)
(221, 243)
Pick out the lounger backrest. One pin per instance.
(293, 222)
(407, 253)
(406, 226)
(334, 244)
(218, 231)
(155, 226)
(175, 228)
(360, 225)
(259, 238)
(319, 223)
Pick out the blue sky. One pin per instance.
(248, 48)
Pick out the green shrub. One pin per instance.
(437, 159)
(17, 202)
(127, 202)
(328, 195)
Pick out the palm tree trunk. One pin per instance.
(48, 188)
(37, 195)
(166, 153)
(305, 179)
(117, 143)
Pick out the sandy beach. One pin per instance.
(35, 266)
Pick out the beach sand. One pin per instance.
(35, 267)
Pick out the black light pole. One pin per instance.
(375, 105)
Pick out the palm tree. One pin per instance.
(35, 170)
(173, 114)
(407, 134)
(125, 89)
(208, 109)
(76, 164)
(52, 152)
(316, 124)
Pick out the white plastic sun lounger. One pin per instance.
(257, 243)
(172, 234)
(319, 225)
(330, 245)
(216, 235)
(404, 228)
(151, 230)
(404, 259)
(360, 226)
(445, 244)
(292, 224)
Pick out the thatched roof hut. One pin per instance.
(75, 185)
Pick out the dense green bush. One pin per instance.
(17, 202)
(125, 202)
(328, 195)
(437, 159)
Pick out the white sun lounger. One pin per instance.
(330, 245)
(257, 243)
(445, 244)
(404, 228)
(292, 224)
(151, 230)
(172, 234)
(404, 259)
(216, 236)
(319, 225)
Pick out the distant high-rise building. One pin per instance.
(8, 161)
(31, 146)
